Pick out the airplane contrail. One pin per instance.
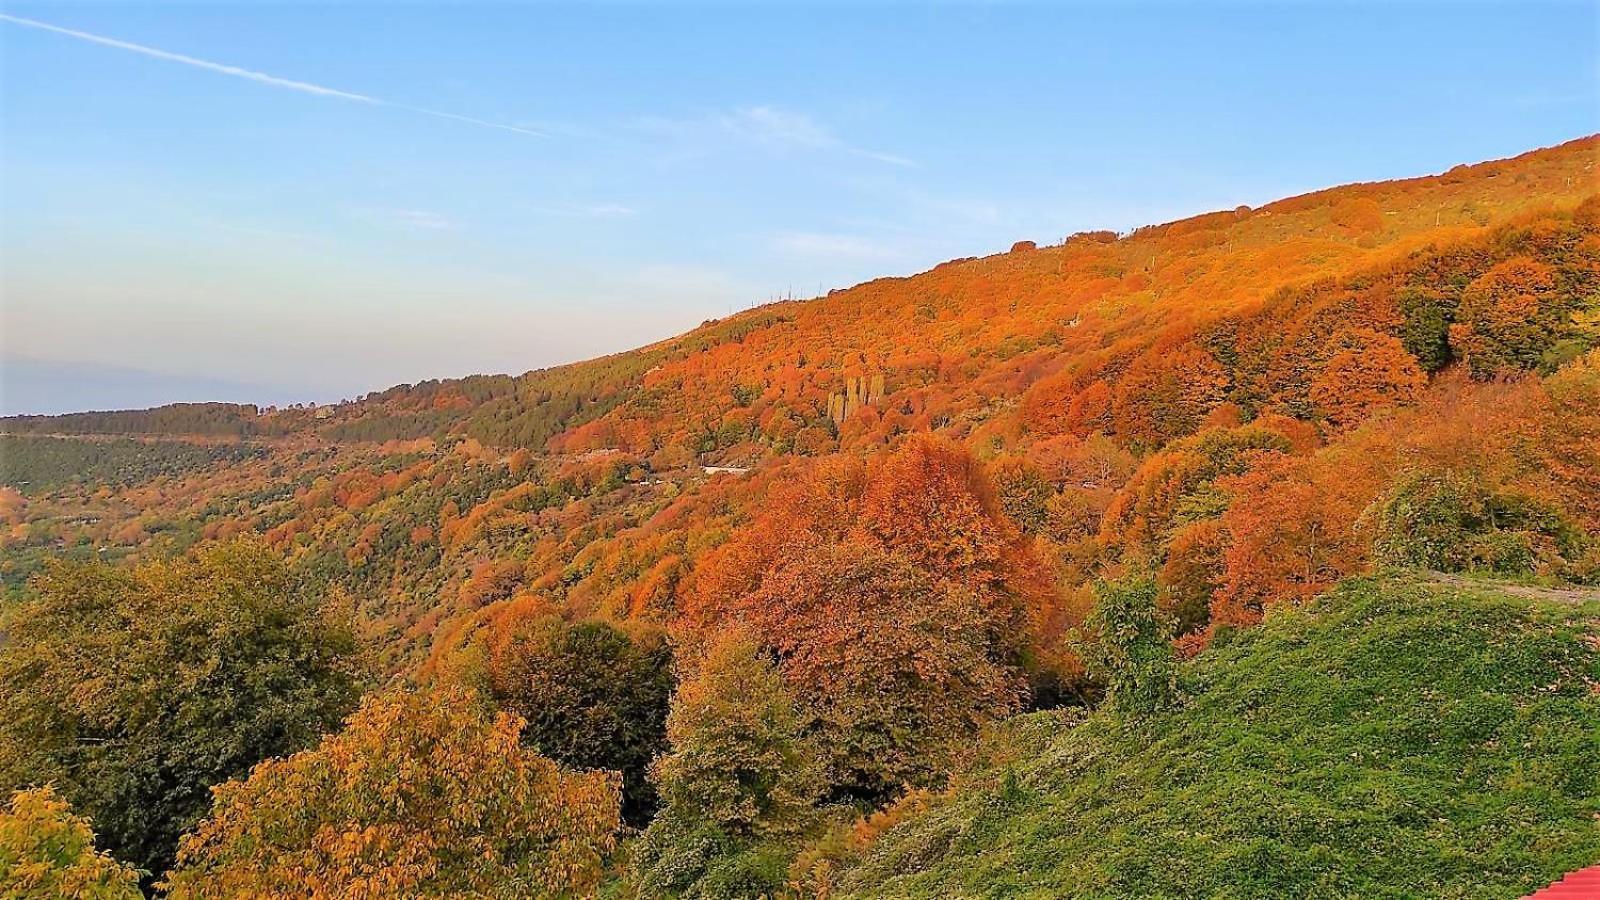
(259, 77)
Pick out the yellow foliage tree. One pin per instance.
(46, 851)
(420, 795)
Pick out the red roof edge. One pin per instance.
(1583, 884)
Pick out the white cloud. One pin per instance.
(419, 218)
(889, 158)
(766, 125)
(303, 87)
(605, 210)
(774, 129)
(812, 244)
(589, 210)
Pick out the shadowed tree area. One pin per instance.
(134, 690)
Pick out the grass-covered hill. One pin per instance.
(1396, 738)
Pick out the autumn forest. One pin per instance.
(1255, 554)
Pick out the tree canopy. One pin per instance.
(134, 690)
(420, 794)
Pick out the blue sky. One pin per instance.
(376, 193)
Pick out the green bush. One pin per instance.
(593, 697)
(674, 853)
(740, 778)
(1450, 522)
(760, 871)
(1392, 739)
(137, 690)
(1129, 646)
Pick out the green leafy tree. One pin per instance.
(739, 773)
(1129, 646)
(47, 852)
(593, 698)
(737, 757)
(136, 690)
(1425, 326)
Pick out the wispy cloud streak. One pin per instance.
(776, 127)
(303, 87)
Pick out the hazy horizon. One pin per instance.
(78, 387)
(271, 205)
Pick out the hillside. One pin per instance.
(1067, 364)
(1396, 738)
(715, 613)
(951, 348)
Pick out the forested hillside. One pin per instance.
(728, 615)
(945, 348)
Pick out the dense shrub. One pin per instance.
(1453, 522)
(136, 690)
(1129, 647)
(740, 772)
(419, 795)
(592, 697)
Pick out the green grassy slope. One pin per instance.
(1396, 739)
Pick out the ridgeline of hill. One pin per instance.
(1068, 366)
(954, 347)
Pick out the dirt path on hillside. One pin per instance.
(1554, 594)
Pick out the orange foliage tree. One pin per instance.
(1166, 394)
(1500, 475)
(896, 669)
(1178, 486)
(1367, 371)
(1507, 318)
(1568, 440)
(1291, 524)
(899, 603)
(931, 503)
(1192, 574)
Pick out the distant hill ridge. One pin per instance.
(943, 346)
